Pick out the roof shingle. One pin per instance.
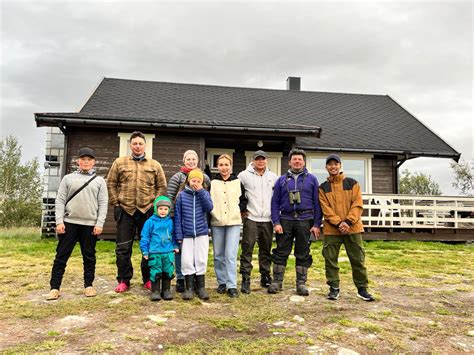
(348, 121)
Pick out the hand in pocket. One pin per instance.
(118, 213)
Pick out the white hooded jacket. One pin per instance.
(259, 191)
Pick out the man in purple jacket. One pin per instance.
(296, 215)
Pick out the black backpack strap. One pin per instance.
(80, 189)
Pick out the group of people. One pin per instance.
(173, 222)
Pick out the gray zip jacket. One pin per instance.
(88, 207)
(259, 191)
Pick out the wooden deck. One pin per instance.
(403, 217)
(406, 217)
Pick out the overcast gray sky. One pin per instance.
(54, 53)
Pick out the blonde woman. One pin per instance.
(228, 197)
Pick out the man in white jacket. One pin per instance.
(258, 182)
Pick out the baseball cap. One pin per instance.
(86, 151)
(333, 157)
(259, 153)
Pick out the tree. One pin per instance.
(418, 184)
(20, 187)
(463, 177)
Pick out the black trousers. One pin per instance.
(262, 234)
(127, 228)
(66, 243)
(297, 231)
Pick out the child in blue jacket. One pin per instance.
(158, 246)
(192, 207)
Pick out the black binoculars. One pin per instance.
(294, 196)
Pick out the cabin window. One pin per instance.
(273, 160)
(358, 167)
(212, 154)
(124, 149)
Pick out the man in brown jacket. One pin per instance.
(133, 183)
(341, 201)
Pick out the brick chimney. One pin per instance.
(293, 83)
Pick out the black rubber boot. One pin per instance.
(245, 288)
(180, 286)
(201, 287)
(166, 289)
(188, 293)
(155, 290)
(278, 274)
(301, 277)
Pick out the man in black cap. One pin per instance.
(341, 201)
(81, 208)
(258, 182)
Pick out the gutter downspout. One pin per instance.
(64, 131)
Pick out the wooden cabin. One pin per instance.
(373, 134)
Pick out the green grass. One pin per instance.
(100, 347)
(409, 279)
(247, 345)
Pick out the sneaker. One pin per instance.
(232, 293)
(362, 293)
(147, 285)
(53, 295)
(265, 280)
(122, 287)
(90, 291)
(221, 288)
(333, 293)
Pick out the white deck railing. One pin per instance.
(409, 211)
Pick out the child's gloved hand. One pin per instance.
(176, 250)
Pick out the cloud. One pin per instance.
(419, 53)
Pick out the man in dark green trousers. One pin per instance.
(341, 202)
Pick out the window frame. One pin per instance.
(124, 147)
(277, 155)
(212, 152)
(367, 158)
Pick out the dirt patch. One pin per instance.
(423, 304)
(413, 319)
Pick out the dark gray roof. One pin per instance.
(350, 122)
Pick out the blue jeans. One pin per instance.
(225, 241)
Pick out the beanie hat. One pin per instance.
(196, 173)
(186, 153)
(161, 201)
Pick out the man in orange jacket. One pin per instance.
(341, 201)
